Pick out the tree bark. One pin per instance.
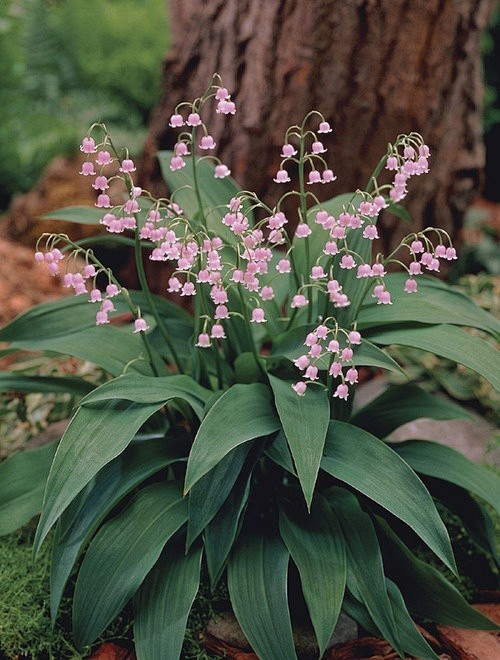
(374, 68)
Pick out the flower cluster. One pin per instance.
(206, 265)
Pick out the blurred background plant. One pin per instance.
(67, 63)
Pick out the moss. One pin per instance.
(25, 626)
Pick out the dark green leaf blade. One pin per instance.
(450, 342)
(317, 547)
(121, 555)
(13, 382)
(305, 422)
(243, 413)
(22, 482)
(436, 460)
(368, 465)
(257, 582)
(82, 517)
(95, 436)
(163, 602)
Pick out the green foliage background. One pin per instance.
(66, 64)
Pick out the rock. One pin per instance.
(469, 644)
(224, 634)
(110, 651)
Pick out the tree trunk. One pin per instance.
(374, 68)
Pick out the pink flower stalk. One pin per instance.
(378, 270)
(392, 163)
(335, 369)
(317, 272)
(370, 232)
(416, 247)
(342, 392)
(324, 127)
(217, 331)
(328, 176)
(410, 286)
(352, 376)
(203, 340)
(300, 388)
(333, 346)
(127, 166)
(321, 331)
(415, 268)
(101, 318)
(384, 298)
(311, 339)
(331, 248)
(288, 150)
(181, 149)
(188, 289)
(226, 108)
(88, 145)
(364, 270)
(451, 253)
(221, 312)
(193, 119)
(100, 183)
(140, 325)
(318, 148)
(299, 301)
(87, 168)
(221, 171)
(222, 94)
(283, 266)
(39, 257)
(258, 315)
(267, 293)
(176, 121)
(207, 142)
(103, 202)
(347, 262)
(311, 373)
(316, 351)
(302, 362)
(95, 295)
(314, 177)
(281, 177)
(354, 337)
(346, 355)
(107, 306)
(303, 230)
(103, 158)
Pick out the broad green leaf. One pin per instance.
(399, 404)
(95, 436)
(86, 215)
(411, 639)
(316, 545)
(142, 389)
(436, 460)
(427, 593)
(13, 382)
(447, 341)
(434, 303)
(222, 531)
(365, 570)
(209, 493)
(215, 193)
(305, 422)
(85, 513)
(243, 413)
(163, 602)
(279, 452)
(368, 465)
(121, 555)
(22, 481)
(257, 582)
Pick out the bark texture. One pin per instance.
(374, 68)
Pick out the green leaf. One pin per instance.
(450, 342)
(305, 422)
(85, 513)
(209, 493)
(163, 602)
(84, 215)
(368, 465)
(365, 576)
(279, 452)
(427, 593)
(12, 382)
(121, 555)
(399, 404)
(215, 193)
(316, 545)
(436, 460)
(243, 413)
(22, 482)
(434, 303)
(257, 583)
(95, 436)
(143, 389)
(221, 532)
